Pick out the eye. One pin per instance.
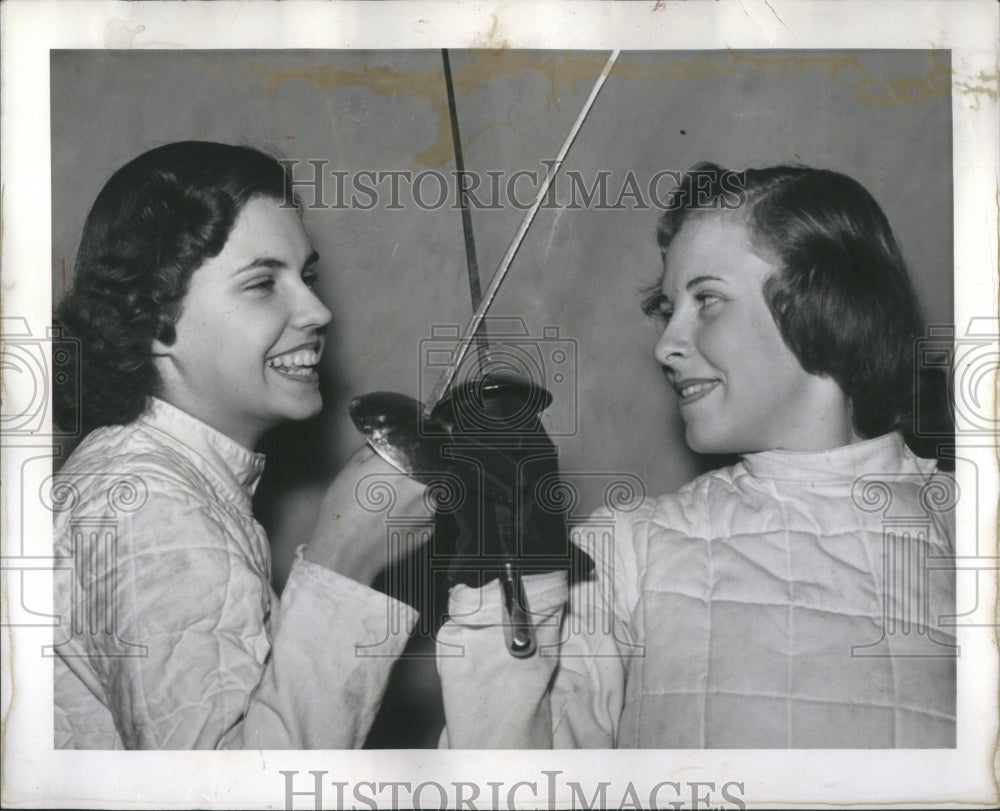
(265, 284)
(658, 306)
(310, 277)
(706, 300)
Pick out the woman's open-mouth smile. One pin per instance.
(297, 364)
(689, 391)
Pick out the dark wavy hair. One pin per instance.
(158, 219)
(842, 299)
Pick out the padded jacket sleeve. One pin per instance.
(203, 655)
(570, 694)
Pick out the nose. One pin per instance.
(674, 343)
(309, 311)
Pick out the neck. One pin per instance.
(828, 423)
(238, 430)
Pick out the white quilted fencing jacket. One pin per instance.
(794, 600)
(171, 635)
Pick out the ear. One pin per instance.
(165, 338)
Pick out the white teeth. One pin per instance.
(695, 388)
(302, 360)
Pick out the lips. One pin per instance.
(693, 389)
(298, 363)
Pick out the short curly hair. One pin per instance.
(158, 219)
(843, 299)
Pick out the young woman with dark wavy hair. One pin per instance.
(199, 330)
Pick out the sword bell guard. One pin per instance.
(397, 430)
(496, 402)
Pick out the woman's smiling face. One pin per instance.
(250, 333)
(740, 388)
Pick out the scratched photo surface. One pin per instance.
(372, 130)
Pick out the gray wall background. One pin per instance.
(390, 275)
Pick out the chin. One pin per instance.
(707, 448)
(700, 443)
(304, 410)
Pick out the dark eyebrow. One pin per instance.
(271, 263)
(699, 279)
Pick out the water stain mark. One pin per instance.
(496, 37)
(119, 35)
(983, 84)
(569, 72)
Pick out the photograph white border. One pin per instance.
(34, 775)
